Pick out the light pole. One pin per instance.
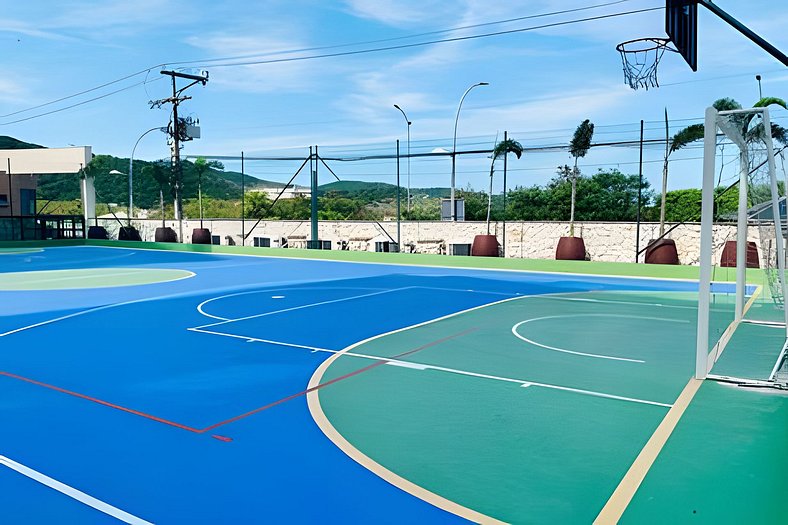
(131, 168)
(409, 123)
(454, 148)
(760, 93)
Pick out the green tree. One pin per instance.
(578, 147)
(256, 205)
(696, 132)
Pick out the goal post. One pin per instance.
(750, 131)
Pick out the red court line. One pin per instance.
(376, 364)
(102, 402)
(382, 361)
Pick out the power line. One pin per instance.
(204, 62)
(430, 42)
(406, 37)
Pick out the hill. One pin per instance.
(7, 142)
(372, 191)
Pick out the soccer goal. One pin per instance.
(749, 130)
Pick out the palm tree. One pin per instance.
(578, 147)
(696, 132)
(501, 149)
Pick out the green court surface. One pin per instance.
(751, 352)
(535, 406)
(721, 465)
(88, 278)
(17, 251)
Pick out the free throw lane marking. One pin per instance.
(71, 492)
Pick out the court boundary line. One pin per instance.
(473, 268)
(426, 366)
(73, 493)
(93, 309)
(619, 500)
(268, 290)
(302, 307)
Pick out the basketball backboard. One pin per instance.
(681, 25)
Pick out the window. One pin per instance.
(215, 239)
(3, 200)
(262, 242)
(386, 246)
(460, 249)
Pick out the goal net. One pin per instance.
(758, 295)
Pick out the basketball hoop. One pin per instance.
(640, 59)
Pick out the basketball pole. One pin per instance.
(746, 31)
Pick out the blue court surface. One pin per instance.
(183, 400)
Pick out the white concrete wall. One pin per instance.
(45, 160)
(605, 241)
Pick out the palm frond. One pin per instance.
(686, 136)
(726, 104)
(507, 146)
(768, 101)
(581, 141)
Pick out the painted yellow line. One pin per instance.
(626, 489)
(313, 401)
(316, 410)
(619, 500)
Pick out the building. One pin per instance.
(292, 191)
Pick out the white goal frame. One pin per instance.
(703, 359)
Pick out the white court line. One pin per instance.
(770, 324)
(71, 492)
(628, 303)
(91, 310)
(258, 340)
(585, 354)
(200, 306)
(311, 305)
(467, 290)
(424, 366)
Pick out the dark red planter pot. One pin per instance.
(201, 236)
(97, 232)
(128, 233)
(728, 259)
(166, 235)
(570, 249)
(662, 251)
(485, 246)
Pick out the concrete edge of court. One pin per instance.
(616, 269)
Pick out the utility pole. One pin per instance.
(178, 132)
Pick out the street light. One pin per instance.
(131, 168)
(409, 123)
(760, 93)
(454, 148)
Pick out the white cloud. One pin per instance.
(12, 92)
(403, 12)
(255, 78)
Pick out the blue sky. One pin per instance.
(543, 83)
